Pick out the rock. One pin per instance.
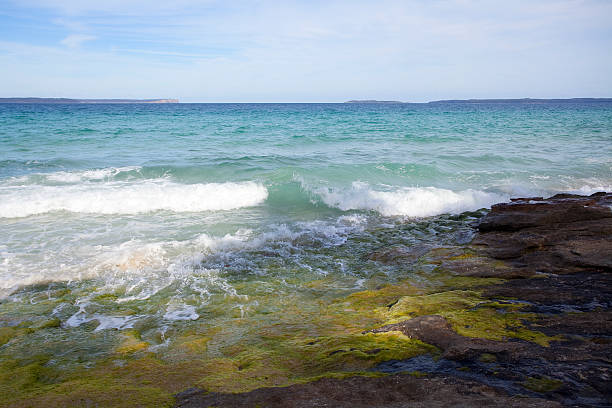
(482, 267)
(558, 293)
(399, 253)
(435, 330)
(586, 324)
(557, 253)
(562, 234)
(393, 391)
(523, 213)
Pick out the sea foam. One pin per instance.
(128, 197)
(407, 201)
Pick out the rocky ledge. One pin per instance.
(525, 320)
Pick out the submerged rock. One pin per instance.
(399, 253)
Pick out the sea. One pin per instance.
(162, 216)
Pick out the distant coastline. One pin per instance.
(524, 100)
(69, 100)
(371, 101)
(519, 100)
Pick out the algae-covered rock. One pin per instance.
(437, 331)
(131, 343)
(542, 384)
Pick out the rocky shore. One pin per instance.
(520, 317)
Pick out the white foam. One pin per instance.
(89, 175)
(590, 189)
(104, 322)
(65, 177)
(128, 197)
(181, 312)
(407, 201)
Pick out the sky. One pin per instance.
(306, 50)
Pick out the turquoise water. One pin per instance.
(172, 210)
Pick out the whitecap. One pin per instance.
(407, 201)
(129, 197)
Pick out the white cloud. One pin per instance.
(320, 50)
(75, 40)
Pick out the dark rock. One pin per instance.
(562, 234)
(524, 213)
(391, 391)
(591, 324)
(558, 293)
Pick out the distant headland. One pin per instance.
(69, 100)
(525, 100)
(521, 100)
(371, 101)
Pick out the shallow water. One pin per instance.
(157, 217)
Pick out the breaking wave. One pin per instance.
(407, 201)
(120, 197)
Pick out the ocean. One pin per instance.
(163, 218)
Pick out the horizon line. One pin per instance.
(58, 100)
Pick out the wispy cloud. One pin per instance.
(314, 50)
(75, 40)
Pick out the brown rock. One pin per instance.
(356, 392)
(399, 253)
(563, 234)
(481, 267)
(524, 213)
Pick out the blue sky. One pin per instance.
(305, 51)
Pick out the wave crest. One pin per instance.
(129, 197)
(407, 201)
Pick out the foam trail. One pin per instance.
(129, 197)
(70, 177)
(90, 175)
(408, 201)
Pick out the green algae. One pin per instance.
(132, 342)
(272, 337)
(50, 324)
(493, 324)
(542, 384)
(9, 333)
(435, 303)
(487, 358)
(470, 314)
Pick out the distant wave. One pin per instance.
(68, 177)
(128, 197)
(407, 201)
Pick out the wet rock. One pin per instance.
(522, 213)
(586, 324)
(481, 267)
(399, 253)
(390, 391)
(571, 383)
(559, 293)
(435, 330)
(562, 234)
